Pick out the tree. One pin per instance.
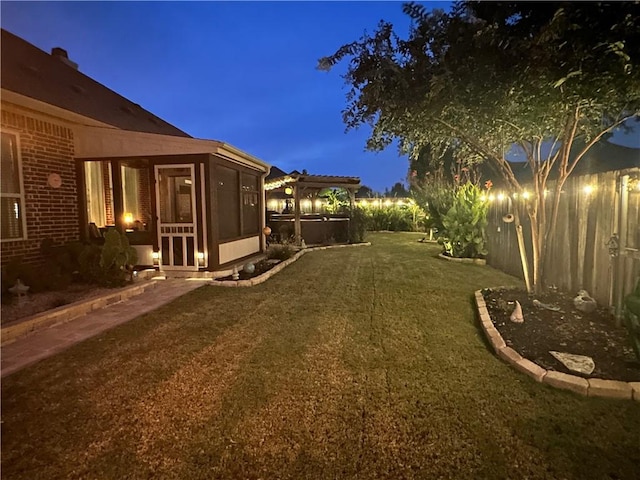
(552, 78)
(398, 190)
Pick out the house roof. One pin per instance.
(602, 157)
(275, 173)
(54, 79)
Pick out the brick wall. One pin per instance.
(45, 148)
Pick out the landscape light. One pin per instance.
(525, 195)
(588, 189)
(501, 196)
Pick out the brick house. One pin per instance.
(78, 159)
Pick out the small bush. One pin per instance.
(357, 224)
(280, 252)
(465, 224)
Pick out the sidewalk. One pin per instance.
(49, 341)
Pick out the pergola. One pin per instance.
(304, 185)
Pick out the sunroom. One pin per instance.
(186, 205)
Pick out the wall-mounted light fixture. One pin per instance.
(156, 257)
(288, 190)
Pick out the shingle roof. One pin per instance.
(27, 70)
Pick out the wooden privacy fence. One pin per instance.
(582, 254)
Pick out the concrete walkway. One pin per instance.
(49, 341)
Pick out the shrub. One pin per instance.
(397, 218)
(465, 223)
(280, 252)
(116, 259)
(357, 224)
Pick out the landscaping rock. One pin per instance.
(516, 316)
(575, 363)
(584, 302)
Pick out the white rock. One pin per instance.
(516, 316)
(584, 302)
(575, 363)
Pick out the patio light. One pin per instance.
(288, 190)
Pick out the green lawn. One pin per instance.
(360, 363)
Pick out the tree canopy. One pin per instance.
(489, 75)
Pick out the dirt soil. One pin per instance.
(569, 330)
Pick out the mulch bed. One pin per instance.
(591, 334)
(14, 310)
(261, 267)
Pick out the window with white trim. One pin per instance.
(12, 221)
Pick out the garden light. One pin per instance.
(588, 189)
(525, 195)
(501, 196)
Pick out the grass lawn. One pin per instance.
(360, 362)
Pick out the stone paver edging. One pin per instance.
(475, 261)
(592, 387)
(66, 313)
(271, 272)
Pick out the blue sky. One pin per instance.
(241, 72)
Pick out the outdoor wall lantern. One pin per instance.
(288, 190)
(156, 258)
(200, 259)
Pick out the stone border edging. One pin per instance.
(475, 261)
(66, 313)
(592, 387)
(269, 273)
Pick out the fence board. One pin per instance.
(578, 252)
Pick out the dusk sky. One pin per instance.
(241, 72)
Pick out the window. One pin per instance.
(12, 220)
(228, 189)
(238, 203)
(250, 204)
(99, 188)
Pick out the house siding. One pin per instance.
(45, 147)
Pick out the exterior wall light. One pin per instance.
(288, 190)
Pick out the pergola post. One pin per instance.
(352, 197)
(296, 211)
